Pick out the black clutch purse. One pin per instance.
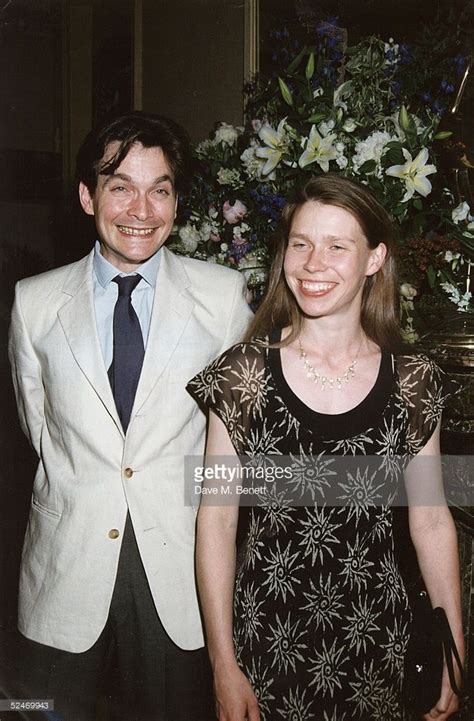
(431, 642)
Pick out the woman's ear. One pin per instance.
(376, 259)
(86, 199)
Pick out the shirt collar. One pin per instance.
(106, 272)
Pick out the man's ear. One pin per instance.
(86, 200)
(376, 259)
(176, 205)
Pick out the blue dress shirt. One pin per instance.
(106, 293)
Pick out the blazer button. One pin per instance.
(113, 533)
(128, 472)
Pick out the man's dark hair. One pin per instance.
(136, 127)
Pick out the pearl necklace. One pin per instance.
(316, 377)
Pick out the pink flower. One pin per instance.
(234, 213)
(215, 237)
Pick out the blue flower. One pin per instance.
(404, 54)
(391, 55)
(396, 86)
(460, 63)
(447, 87)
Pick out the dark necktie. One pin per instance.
(129, 350)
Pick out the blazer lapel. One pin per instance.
(172, 309)
(77, 318)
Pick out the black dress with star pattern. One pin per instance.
(321, 614)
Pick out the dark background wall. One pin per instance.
(65, 63)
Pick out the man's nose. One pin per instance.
(140, 207)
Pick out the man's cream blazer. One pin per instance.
(89, 473)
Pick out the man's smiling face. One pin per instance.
(134, 208)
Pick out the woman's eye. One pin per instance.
(298, 246)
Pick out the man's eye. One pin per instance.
(162, 191)
(119, 189)
(337, 247)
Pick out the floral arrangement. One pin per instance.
(371, 111)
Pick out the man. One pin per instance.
(101, 351)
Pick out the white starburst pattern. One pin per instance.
(250, 613)
(408, 390)
(280, 571)
(263, 442)
(278, 513)
(295, 706)
(335, 715)
(231, 416)
(261, 683)
(414, 441)
(361, 625)
(433, 404)
(368, 689)
(389, 440)
(420, 364)
(327, 669)
(382, 523)
(310, 475)
(286, 419)
(324, 603)
(390, 581)
(395, 647)
(317, 535)
(252, 384)
(286, 644)
(209, 382)
(387, 706)
(361, 492)
(351, 446)
(253, 544)
(356, 566)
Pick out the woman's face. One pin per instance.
(328, 259)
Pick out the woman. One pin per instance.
(320, 615)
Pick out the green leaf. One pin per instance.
(368, 167)
(310, 67)
(296, 61)
(431, 275)
(443, 134)
(394, 156)
(417, 204)
(316, 118)
(398, 210)
(285, 92)
(404, 118)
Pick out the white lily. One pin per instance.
(276, 142)
(319, 150)
(414, 173)
(460, 212)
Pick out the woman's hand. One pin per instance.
(235, 699)
(448, 702)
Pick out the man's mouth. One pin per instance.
(141, 232)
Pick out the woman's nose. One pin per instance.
(315, 261)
